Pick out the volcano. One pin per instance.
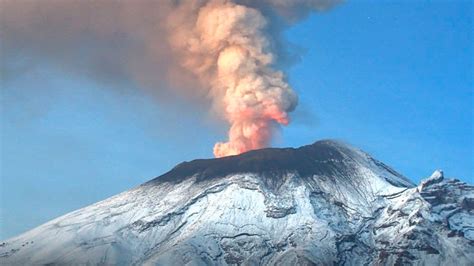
(323, 204)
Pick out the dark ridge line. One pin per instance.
(324, 157)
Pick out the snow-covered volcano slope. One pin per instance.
(325, 203)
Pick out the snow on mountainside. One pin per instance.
(324, 204)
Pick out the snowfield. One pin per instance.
(324, 204)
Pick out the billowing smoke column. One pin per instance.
(228, 49)
(226, 45)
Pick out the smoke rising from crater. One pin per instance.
(223, 50)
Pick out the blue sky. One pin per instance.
(393, 78)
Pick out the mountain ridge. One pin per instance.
(335, 206)
(305, 160)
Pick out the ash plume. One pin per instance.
(223, 50)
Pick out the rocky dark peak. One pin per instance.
(326, 157)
